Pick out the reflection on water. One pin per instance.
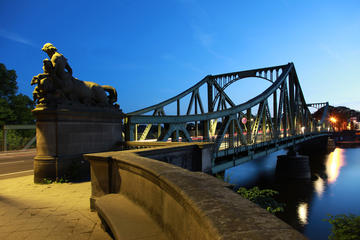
(319, 186)
(302, 211)
(334, 163)
(308, 202)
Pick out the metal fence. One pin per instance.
(5, 129)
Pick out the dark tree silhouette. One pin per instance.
(14, 108)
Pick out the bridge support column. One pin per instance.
(206, 130)
(275, 123)
(159, 131)
(293, 166)
(248, 126)
(64, 135)
(263, 125)
(231, 134)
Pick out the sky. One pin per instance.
(153, 50)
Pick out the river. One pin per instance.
(333, 188)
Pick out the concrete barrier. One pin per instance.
(184, 204)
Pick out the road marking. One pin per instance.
(11, 162)
(26, 152)
(2, 157)
(7, 174)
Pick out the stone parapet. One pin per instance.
(185, 204)
(191, 156)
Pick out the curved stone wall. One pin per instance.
(185, 204)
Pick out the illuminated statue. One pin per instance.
(57, 85)
(45, 91)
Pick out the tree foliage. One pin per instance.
(14, 108)
(8, 85)
(17, 139)
(263, 198)
(344, 227)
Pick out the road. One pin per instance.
(16, 163)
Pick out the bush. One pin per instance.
(263, 198)
(344, 227)
(17, 139)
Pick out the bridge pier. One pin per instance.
(293, 166)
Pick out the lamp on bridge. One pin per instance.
(302, 130)
(333, 121)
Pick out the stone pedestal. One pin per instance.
(293, 166)
(63, 135)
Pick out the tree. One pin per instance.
(344, 226)
(263, 198)
(8, 85)
(14, 108)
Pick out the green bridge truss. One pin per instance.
(277, 118)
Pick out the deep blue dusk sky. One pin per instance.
(152, 50)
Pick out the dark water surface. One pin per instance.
(333, 189)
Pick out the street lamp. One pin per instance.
(303, 130)
(333, 120)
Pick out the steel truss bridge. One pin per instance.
(277, 118)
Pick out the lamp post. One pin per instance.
(333, 121)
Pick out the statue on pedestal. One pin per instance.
(73, 117)
(57, 85)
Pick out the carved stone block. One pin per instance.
(64, 134)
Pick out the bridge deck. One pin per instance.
(244, 153)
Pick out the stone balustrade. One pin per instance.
(183, 203)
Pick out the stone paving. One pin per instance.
(47, 211)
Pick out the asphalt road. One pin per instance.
(16, 163)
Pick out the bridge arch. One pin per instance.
(231, 82)
(232, 126)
